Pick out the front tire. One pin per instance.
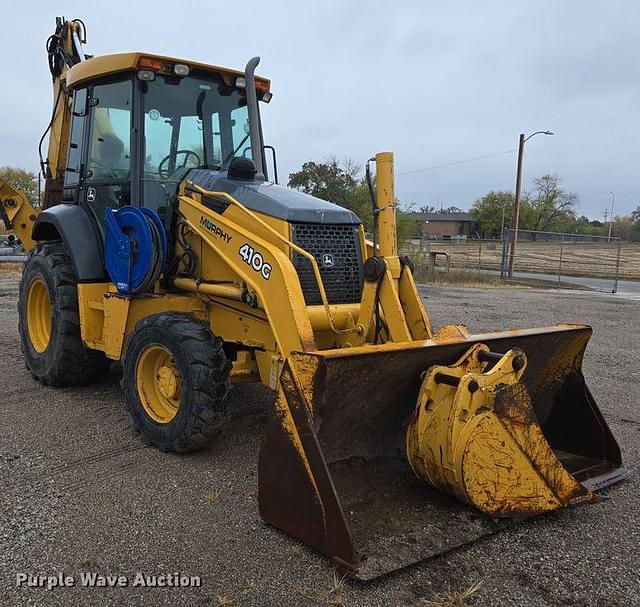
(175, 380)
(49, 321)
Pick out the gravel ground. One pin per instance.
(81, 493)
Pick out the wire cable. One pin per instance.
(458, 162)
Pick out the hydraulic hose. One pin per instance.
(374, 208)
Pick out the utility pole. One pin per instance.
(516, 205)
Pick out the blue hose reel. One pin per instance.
(135, 248)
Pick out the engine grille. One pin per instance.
(337, 251)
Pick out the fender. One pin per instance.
(71, 224)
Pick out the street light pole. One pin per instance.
(516, 203)
(504, 206)
(613, 201)
(516, 207)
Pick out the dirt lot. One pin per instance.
(81, 493)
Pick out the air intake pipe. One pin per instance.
(254, 116)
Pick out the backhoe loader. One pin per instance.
(163, 244)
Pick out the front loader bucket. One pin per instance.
(333, 470)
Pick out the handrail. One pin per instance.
(295, 247)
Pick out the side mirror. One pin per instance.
(242, 169)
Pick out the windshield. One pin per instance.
(195, 121)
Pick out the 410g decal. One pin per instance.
(254, 259)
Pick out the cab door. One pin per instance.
(74, 168)
(107, 173)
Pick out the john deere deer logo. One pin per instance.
(327, 260)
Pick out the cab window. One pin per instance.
(108, 170)
(192, 121)
(74, 155)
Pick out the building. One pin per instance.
(437, 226)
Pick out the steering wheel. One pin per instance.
(164, 171)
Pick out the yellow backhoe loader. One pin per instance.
(162, 243)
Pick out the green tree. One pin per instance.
(622, 227)
(405, 226)
(547, 208)
(327, 180)
(488, 212)
(634, 232)
(25, 181)
(359, 201)
(340, 184)
(550, 205)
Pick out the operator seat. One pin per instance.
(155, 197)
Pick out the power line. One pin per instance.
(450, 164)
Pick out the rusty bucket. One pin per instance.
(333, 468)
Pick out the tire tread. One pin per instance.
(71, 362)
(209, 378)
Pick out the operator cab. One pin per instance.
(140, 123)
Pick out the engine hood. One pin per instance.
(275, 200)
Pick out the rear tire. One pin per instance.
(175, 379)
(49, 321)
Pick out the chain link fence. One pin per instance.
(563, 256)
(598, 262)
(459, 254)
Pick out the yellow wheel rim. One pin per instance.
(39, 315)
(158, 383)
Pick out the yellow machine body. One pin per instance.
(371, 456)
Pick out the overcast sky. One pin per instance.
(434, 82)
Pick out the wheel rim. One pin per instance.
(39, 315)
(158, 383)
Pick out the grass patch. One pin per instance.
(332, 597)
(11, 268)
(212, 496)
(453, 598)
(294, 551)
(335, 597)
(459, 278)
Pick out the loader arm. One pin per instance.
(389, 292)
(275, 282)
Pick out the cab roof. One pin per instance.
(106, 65)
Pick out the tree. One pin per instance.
(550, 204)
(405, 226)
(426, 209)
(488, 212)
(634, 232)
(341, 185)
(326, 180)
(25, 181)
(622, 227)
